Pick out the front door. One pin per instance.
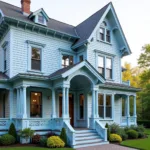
(71, 108)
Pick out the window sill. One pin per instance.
(35, 71)
(105, 42)
(106, 119)
(110, 80)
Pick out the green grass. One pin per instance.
(34, 148)
(142, 144)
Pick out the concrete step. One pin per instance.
(90, 144)
(84, 131)
(85, 134)
(98, 140)
(87, 137)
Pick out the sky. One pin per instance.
(134, 16)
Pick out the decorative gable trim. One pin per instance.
(36, 43)
(104, 53)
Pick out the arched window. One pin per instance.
(105, 34)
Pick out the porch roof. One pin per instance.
(119, 86)
(68, 70)
(3, 76)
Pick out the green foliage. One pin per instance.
(115, 138)
(7, 139)
(12, 131)
(145, 123)
(122, 134)
(139, 128)
(55, 142)
(132, 134)
(141, 134)
(63, 135)
(36, 139)
(114, 128)
(108, 131)
(26, 133)
(43, 142)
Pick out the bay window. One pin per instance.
(67, 61)
(108, 106)
(101, 105)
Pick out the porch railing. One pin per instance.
(4, 123)
(132, 120)
(101, 130)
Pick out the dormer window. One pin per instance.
(40, 19)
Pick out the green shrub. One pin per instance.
(108, 131)
(7, 139)
(122, 133)
(36, 139)
(132, 134)
(12, 131)
(55, 142)
(145, 123)
(114, 128)
(115, 138)
(126, 129)
(63, 135)
(141, 135)
(139, 128)
(43, 142)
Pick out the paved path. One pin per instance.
(107, 147)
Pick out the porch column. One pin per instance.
(128, 110)
(104, 100)
(67, 102)
(96, 104)
(20, 103)
(63, 103)
(53, 104)
(24, 98)
(18, 100)
(113, 105)
(11, 103)
(134, 110)
(93, 103)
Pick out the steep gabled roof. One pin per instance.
(85, 29)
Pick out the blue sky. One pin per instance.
(134, 16)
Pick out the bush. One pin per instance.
(63, 135)
(114, 128)
(7, 139)
(43, 142)
(115, 138)
(55, 142)
(145, 123)
(132, 134)
(36, 139)
(122, 133)
(141, 135)
(139, 128)
(108, 131)
(12, 131)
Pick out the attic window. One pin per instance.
(40, 19)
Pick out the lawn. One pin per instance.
(142, 144)
(34, 148)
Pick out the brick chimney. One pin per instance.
(25, 5)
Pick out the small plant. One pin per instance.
(132, 134)
(43, 142)
(108, 131)
(26, 134)
(115, 138)
(12, 131)
(122, 133)
(141, 135)
(55, 142)
(7, 139)
(114, 128)
(63, 135)
(36, 139)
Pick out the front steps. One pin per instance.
(86, 138)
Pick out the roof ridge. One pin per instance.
(95, 13)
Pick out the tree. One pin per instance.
(144, 62)
(12, 131)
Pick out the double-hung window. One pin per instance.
(102, 34)
(41, 19)
(101, 105)
(36, 59)
(5, 60)
(108, 106)
(67, 60)
(101, 65)
(108, 68)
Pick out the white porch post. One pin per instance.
(96, 104)
(63, 103)
(67, 102)
(24, 98)
(93, 103)
(53, 104)
(104, 105)
(134, 109)
(128, 110)
(113, 105)
(18, 100)
(10, 103)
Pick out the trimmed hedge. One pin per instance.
(145, 123)
(7, 139)
(132, 134)
(115, 138)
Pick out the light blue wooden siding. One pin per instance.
(6, 38)
(112, 48)
(51, 54)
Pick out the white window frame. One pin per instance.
(5, 49)
(39, 46)
(37, 20)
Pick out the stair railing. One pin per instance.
(102, 131)
(70, 133)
